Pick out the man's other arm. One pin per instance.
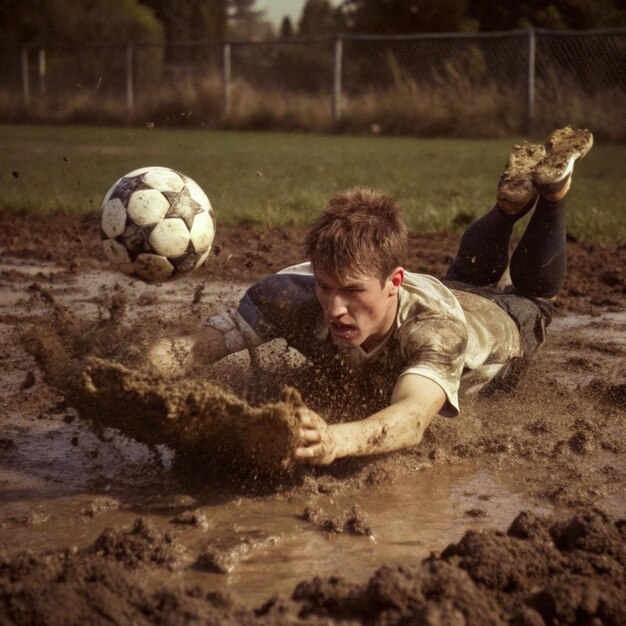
(415, 401)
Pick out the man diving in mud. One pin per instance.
(353, 307)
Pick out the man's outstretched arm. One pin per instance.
(416, 400)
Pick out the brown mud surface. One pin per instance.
(129, 498)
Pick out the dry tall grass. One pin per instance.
(453, 105)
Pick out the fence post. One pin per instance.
(226, 74)
(530, 88)
(337, 79)
(130, 79)
(25, 78)
(42, 71)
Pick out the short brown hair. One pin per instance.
(360, 231)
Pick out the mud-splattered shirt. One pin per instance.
(457, 339)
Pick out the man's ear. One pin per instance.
(396, 278)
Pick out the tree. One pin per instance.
(189, 20)
(244, 21)
(318, 18)
(74, 22)
(412, 16)
(286, 28)
(402, 16)
(587, 14)
(554, 14)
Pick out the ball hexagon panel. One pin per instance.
(147, 206)
(152, 267)
(202, 259)
(113, 220)
(117, 255)
(170, 237)
(202, 232)
(115, 252)
(163, 179)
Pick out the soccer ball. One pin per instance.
(156, 224)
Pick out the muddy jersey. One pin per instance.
(457, 339)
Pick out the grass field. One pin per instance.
(285, 179)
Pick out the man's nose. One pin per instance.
(335, 306)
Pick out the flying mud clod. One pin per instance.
(208, 427)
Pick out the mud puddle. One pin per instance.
(430, 509)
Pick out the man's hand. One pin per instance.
(317, 444)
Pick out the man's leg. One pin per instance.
(539, 262)
(483, 254)
(540, 259)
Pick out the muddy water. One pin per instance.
(415, 521)
(61, 484)
(430, 509)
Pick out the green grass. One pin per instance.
(285, 179)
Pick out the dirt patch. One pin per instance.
(61, 588)
(197, 420)
(202, 422)
(540, 572)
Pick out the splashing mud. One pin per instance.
(204, 424)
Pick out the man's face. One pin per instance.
(358, 310)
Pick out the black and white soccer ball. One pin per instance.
(156, 224)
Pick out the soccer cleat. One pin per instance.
(553, 175)
(516, 189)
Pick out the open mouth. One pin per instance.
(340, 330)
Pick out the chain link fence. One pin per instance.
(480, 84)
